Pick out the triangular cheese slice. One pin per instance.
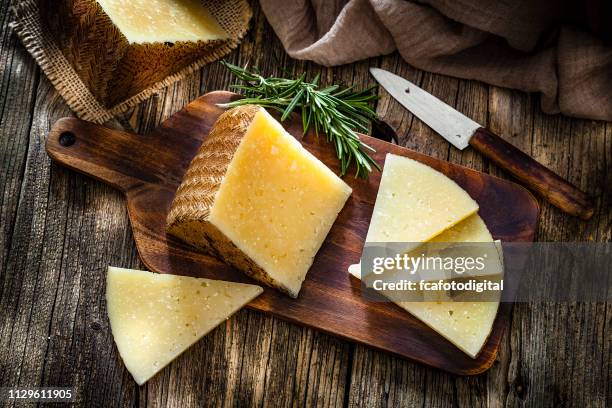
(415, 203)
(155, 317)
(470, 231)
(465, 324)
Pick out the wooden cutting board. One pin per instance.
(148, 170)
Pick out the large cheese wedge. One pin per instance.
(155, 317)
(415, 203)
(256, 198)
(120, 48)
(467, 325)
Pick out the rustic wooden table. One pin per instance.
(60, 230)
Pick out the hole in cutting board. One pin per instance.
(67, 139)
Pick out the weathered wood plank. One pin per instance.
(64, 229)
(17, 96)
(509, 114)
(57, 268)
(572, 336)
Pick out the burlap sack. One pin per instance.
(33, 31)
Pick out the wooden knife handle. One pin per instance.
(558, 191)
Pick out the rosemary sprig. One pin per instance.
(337, 112)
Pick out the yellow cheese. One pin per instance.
(155, 317)
(123, 49)
(151, 21)
(472, 229)
(465, 324)
(267, 206)
(416, 203)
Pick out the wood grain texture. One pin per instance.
(551, 186)
(539, 364)
(149, 169)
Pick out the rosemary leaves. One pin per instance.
(337, 112)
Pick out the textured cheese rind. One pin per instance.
(156, 317)
(188, 218)
(113, 68)
(257, 199)
(421, 201)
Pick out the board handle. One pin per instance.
(120, 159)
(558, 191)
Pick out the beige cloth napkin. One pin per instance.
(515, 44)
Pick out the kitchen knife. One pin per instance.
(462, 132)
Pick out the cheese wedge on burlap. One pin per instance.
(415, 203)
(257, 199)
(155, 317)
(120, 48)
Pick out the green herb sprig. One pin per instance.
(337, 112)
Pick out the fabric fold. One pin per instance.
(519, 44)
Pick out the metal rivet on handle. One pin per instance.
(67, 139)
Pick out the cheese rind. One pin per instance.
(155, 317)
(255, 197)
(416, 203)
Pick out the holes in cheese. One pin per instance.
(121, 48)
(416, 203)
(467, 325)
(155, 317)
(151, 21)
(255, 197)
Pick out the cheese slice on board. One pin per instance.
(121, 48)
(155, 317)
(256, 198)
(472, 229)
(415, 203)
(465, 324)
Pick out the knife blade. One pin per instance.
(462, 132)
